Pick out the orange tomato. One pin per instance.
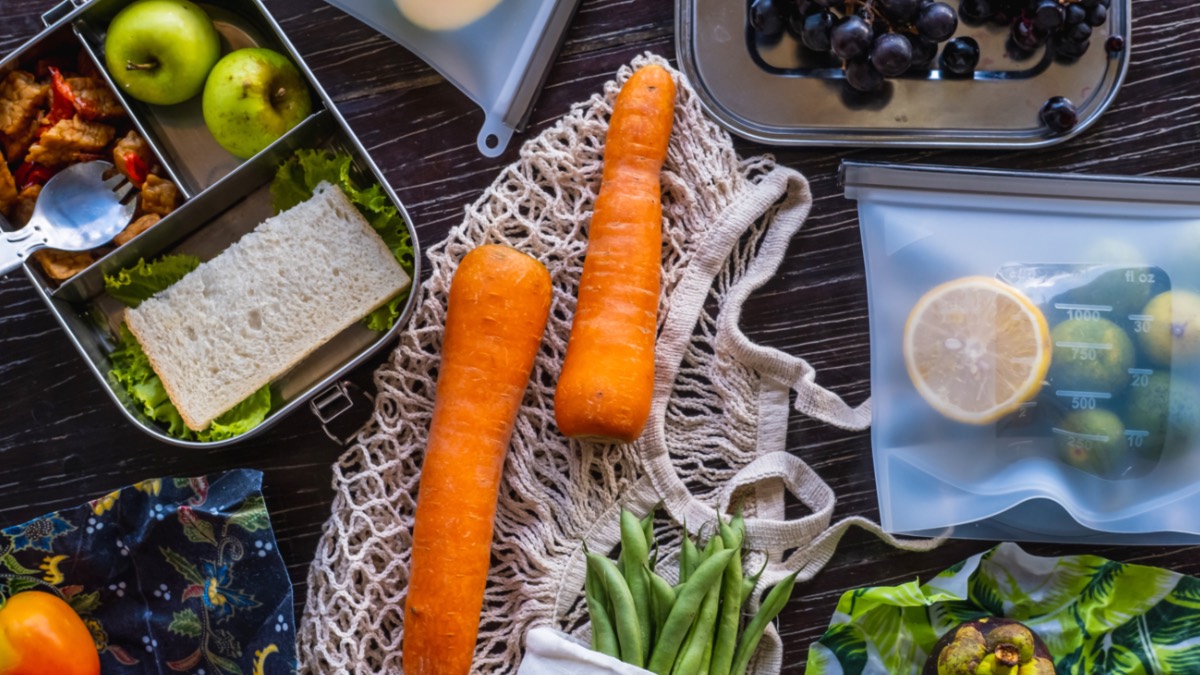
(41, 635)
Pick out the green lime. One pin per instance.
(1090, 355)
(1093, 441)
(1169, 327)
(1125, 289)
(1161, 411)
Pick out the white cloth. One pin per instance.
(718, 424)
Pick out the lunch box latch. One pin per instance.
(331, 404)
(61, 10)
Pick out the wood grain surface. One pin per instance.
(63, 442)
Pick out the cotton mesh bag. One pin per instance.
(717, 430)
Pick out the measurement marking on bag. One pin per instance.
(1136, 438)
(1084, 351)
(1083, 400)
(1140, 377)
(1099, 438)
(1085, 312)
(1141, 322)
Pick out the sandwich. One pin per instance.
(244, 318)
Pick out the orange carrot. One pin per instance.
(607, 376)
(498, 305)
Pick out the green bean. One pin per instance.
(604, 639)
(710, 548)
(749, 583)
(738, 524)
(688, 557)
(772, 605)
(633, 546)
(683, 612)
(662, 597)
(725, 642)
(624, 615)
(706, 662)
(647, 524)
(701, 635)
(730, 535)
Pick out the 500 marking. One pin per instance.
(1083, 403)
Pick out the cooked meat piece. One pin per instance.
(20, 97)
(23, 211)
(94, 100)
(17, 146)
(62, 265)
(135, 144)
(159, 196)
(8, 190)
(70, 141)
(137, 227)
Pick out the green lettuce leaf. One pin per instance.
(131, 368)
(297, 178)
(134, 284)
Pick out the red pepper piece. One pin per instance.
(32, 174)
(135, 168)
(63, 103)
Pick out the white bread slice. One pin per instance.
(248, 315)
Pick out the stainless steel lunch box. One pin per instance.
(224, 199)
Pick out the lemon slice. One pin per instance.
(976, 349)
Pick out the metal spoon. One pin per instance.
(77, 210)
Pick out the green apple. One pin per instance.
(252, 98)
(160, 51)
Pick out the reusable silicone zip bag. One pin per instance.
(1035, 353)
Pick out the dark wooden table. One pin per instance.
(62, 442)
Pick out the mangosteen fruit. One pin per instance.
(989, 646)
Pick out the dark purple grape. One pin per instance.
(815, 34)
(861, 75)
(1075, 14)
(766, 18)
(850, 37)
(937, 21)
(1059, 115)
(899, 10)
(891, 54)
(923, 53)
(1114, 44)
(1071, 51)
(1080, 32)
(975, 12)
(1026, 37)
(1048, 14)
(1097, 16)
(960, 56)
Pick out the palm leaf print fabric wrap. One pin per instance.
(1095, 615)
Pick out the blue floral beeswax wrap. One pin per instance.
(1096, 616)
(170, 575)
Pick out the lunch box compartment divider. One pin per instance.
(178, 132)
(227, 199)
(201, 210)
